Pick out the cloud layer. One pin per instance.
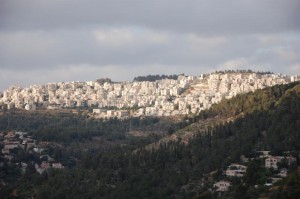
(64, 40)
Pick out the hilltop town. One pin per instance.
(166, 97)
(256, 149)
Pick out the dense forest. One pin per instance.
(267, 119)
(153, 78)
(64, 126)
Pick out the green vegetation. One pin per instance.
(66, 127)
(153, 78)
(267, 119)
(103, 80)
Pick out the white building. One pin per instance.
(30, 107)
(222, 186)
(236, 170)
(272, 162)
(57, 165)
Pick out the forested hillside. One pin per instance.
(153, 78)
(66, 126)
(266, 120)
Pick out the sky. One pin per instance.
(45, 41)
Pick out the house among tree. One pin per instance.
(272, 162)
(57, 165)
(283, 173)
(222, 186)
(236, 170)
(10, 135)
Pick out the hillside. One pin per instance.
(229, 110)
(189, 162)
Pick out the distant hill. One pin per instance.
(153, 78)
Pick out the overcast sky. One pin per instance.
(82, 40)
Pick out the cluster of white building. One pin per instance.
(187, 94)
(21, 140)
(270, 162)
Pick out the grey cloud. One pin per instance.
(51, 49)
(206, 17)
(65, 40)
